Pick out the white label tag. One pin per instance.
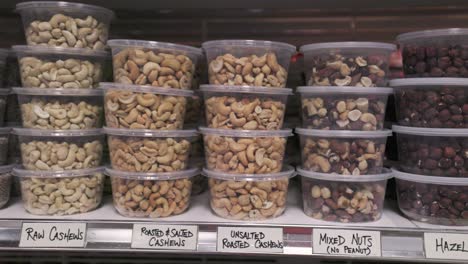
(446, 246)
(54, 235)
(172, 237)
(346, 242)
(250, 239)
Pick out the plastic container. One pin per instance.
(3, 104)
(347, 63)
(248, 62)
(58, 150)
(249, 197)
(244, 151)
(4, 139)
(343, 108)
(154, 63)
(152, 195)
(433, 199)
(432, 102)
(346, 199)
(65, 24)
(144, 107)
(149, 151)
(435, 53)
(433, 151)
(249, 108)
(61, 193)
(343, 152)
(63, 109)
(5, 184)
(49, 67)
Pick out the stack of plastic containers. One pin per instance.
(145, 110)
(432, 130)
(61, 141)
(244, 139)
(342, 138)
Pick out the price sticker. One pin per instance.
(168, 237)
(446, 246)
(53, 235)
(250, 239)
(346, 242)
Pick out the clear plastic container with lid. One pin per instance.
(249, 108)
(5, 184)
(343, 108)
(363, 64)
(61, 193)
(249, 197)
(65, 109)
(432, 102)
(154, 63)
(4, 139)
(343, 152)
(244, 151)
(248, 62)
(152, 195)
(433, 151)
(346, 199)
(58, 150)
(433, 199)
(149, 150)
(435, 53)
(3, 104)
(65, 24)
(144, 107)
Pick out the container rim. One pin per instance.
(174, 175)
(429, 179)
(39, 49)
(387, 174)
(56, 91)
(439, 132)
(248, 43)
(57, 133)
(51, 4)
(149, 133)
(343, 133)
(144, 89)
(20, 172)
(347, 45)
(152, 45)
(432, 33)
(288, 172)
(429, 82)
(245, 89)
(7, 168)
(245, 133)
(343, 90)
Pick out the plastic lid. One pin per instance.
(245, 89)
(347, 45)
(63, 5)
(245, 133)
(7, 168)
(145, 89)
(343, 90)
(429, 179)
(150, 133)
(439, 132)
(40, 49)
(56, 133)
(432, 33)
(344, 133)
(153, 45)
(57, 91)
(387, 174)
(288, 172)
(5, 130)
(429, 82)
(20, 172)
(174, 175)
(247, 43)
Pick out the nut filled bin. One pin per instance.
(341, 198)
(4, 143)
(433, 199)
(5, 184)
(343, 108)
(347, 63)
(64, 24)
(61, 193)
(154, 63)
(152, 195)
(248, 108)
(248, 62)
(432, 102)
(249, 197)
(435, 53)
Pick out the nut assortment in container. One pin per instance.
(5, 184)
